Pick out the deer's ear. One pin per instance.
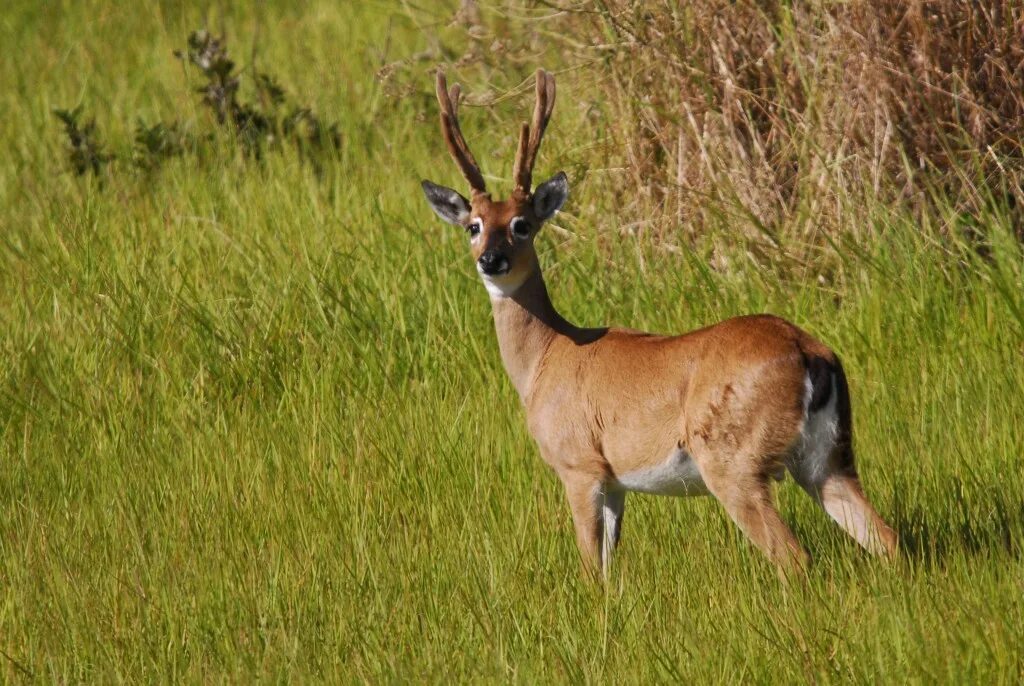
(449, 205)
(550, 196)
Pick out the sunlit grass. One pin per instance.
(253, 423)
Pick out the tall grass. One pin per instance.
(253, 423)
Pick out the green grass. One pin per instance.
(254, 425)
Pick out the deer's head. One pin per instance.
(501, 232)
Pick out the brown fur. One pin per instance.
(606, 402)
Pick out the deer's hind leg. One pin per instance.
(834, 485)
(747, 497)
(739, 451)
(824, 467)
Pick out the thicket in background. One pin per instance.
(783, 119)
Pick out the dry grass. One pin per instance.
(780, 120)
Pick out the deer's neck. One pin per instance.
(527, 323)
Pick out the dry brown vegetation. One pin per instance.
(784, 119)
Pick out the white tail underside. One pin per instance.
(818, 435)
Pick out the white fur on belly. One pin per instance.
(677, 475)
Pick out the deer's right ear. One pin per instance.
(449, 205)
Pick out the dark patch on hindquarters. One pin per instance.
(820, 371)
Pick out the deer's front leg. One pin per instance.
(613, 503)
(585, 500)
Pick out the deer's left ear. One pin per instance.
(550, 196)
(448, 204)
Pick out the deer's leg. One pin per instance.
(612, 506)
(585, 500)
(837, 489)
(747, 498)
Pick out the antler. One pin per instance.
(529, 139)
(449, 101)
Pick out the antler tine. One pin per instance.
(452, 133)
(455, 97)
(551, 98)
(542, 112)
(521, 172)
(530, 137)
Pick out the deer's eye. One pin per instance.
(520, 228)
(474, 229)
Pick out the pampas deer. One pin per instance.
(720, 411)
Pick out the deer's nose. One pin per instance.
(493, 263)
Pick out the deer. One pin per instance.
(724, 410)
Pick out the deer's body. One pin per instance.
(722, 410)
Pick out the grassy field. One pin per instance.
(254, 425)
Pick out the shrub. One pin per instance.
(84, 150)
(257, 125)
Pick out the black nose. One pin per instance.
(493, 263)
